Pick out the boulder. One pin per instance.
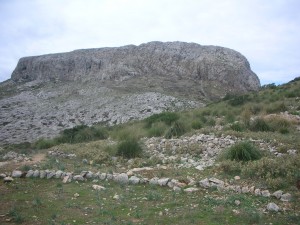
(17, 174)
(272, 207)
(122, 178)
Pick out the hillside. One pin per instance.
(49, 93)
(234, 161)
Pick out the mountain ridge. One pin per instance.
(49, 93)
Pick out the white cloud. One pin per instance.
(264, 31)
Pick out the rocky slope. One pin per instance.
(49, 93)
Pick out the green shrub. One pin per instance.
(260, 124)
(129, 149)
(238, 100)
(276, 172)
(243, 151)
(197, 125)
(237, 127)
(166, 117)
(231, 168)
(276, 107)
(157, 129)
(44, 144)
(176, 130)
(82, 133)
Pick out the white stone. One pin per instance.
(176, 189)
(154, 181)
(257, 192)
(29, 173)
(191, 189)
(277, 194)
(78, 178)
(102, 176)
(134, 180)
(286, 197)
(43, 174)
(204, 183)
(8, 179)
(122, 178)
(58, 174)
(272, 207)
(216, 181)
(237, 177)
(16, 174)
(36, 173)
(163, 181)
(265, 193)
(98, 187)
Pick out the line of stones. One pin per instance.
(129, 178)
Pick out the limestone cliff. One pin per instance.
(49, 93)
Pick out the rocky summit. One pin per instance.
(49, 93)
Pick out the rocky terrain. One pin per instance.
(49, 93)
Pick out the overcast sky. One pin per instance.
(267, 32)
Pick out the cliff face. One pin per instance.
(49, 93)
(170, 60)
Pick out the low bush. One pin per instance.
(44, 144)
(176, 130)
(166, 117)
(197, 125)
(276, 172)
(82, 133)
(259, 124)
(239, 100)
(276, 108)
(237, 127)
(129, 149)
(157, 129)
(243, 151)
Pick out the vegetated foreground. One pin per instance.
(233, 162)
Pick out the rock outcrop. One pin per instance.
(49, 93)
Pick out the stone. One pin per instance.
(8, 179)
(36, 173)
(102, 176)
(265, 193)
(245, 190)
(277, 194)
(76, 195)
(78, 178)
(51, 174)
(2, 175)
(83, 173)
(66, 179)
(176, 189)
(109, 176)
(216, 182)
(89, 175)
(43, 174)
(122, 178)
(257, 192)
(134, 180)
(16, 174)
(191, 189)
(237, 177)
(204, 183)
(163, 181)
(29, 174)
(98, 187)
(58, 174)
(237, 202)
(116, 197)
(272, 207)
(154, 181)
(286, 197)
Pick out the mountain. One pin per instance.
(49, 93)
